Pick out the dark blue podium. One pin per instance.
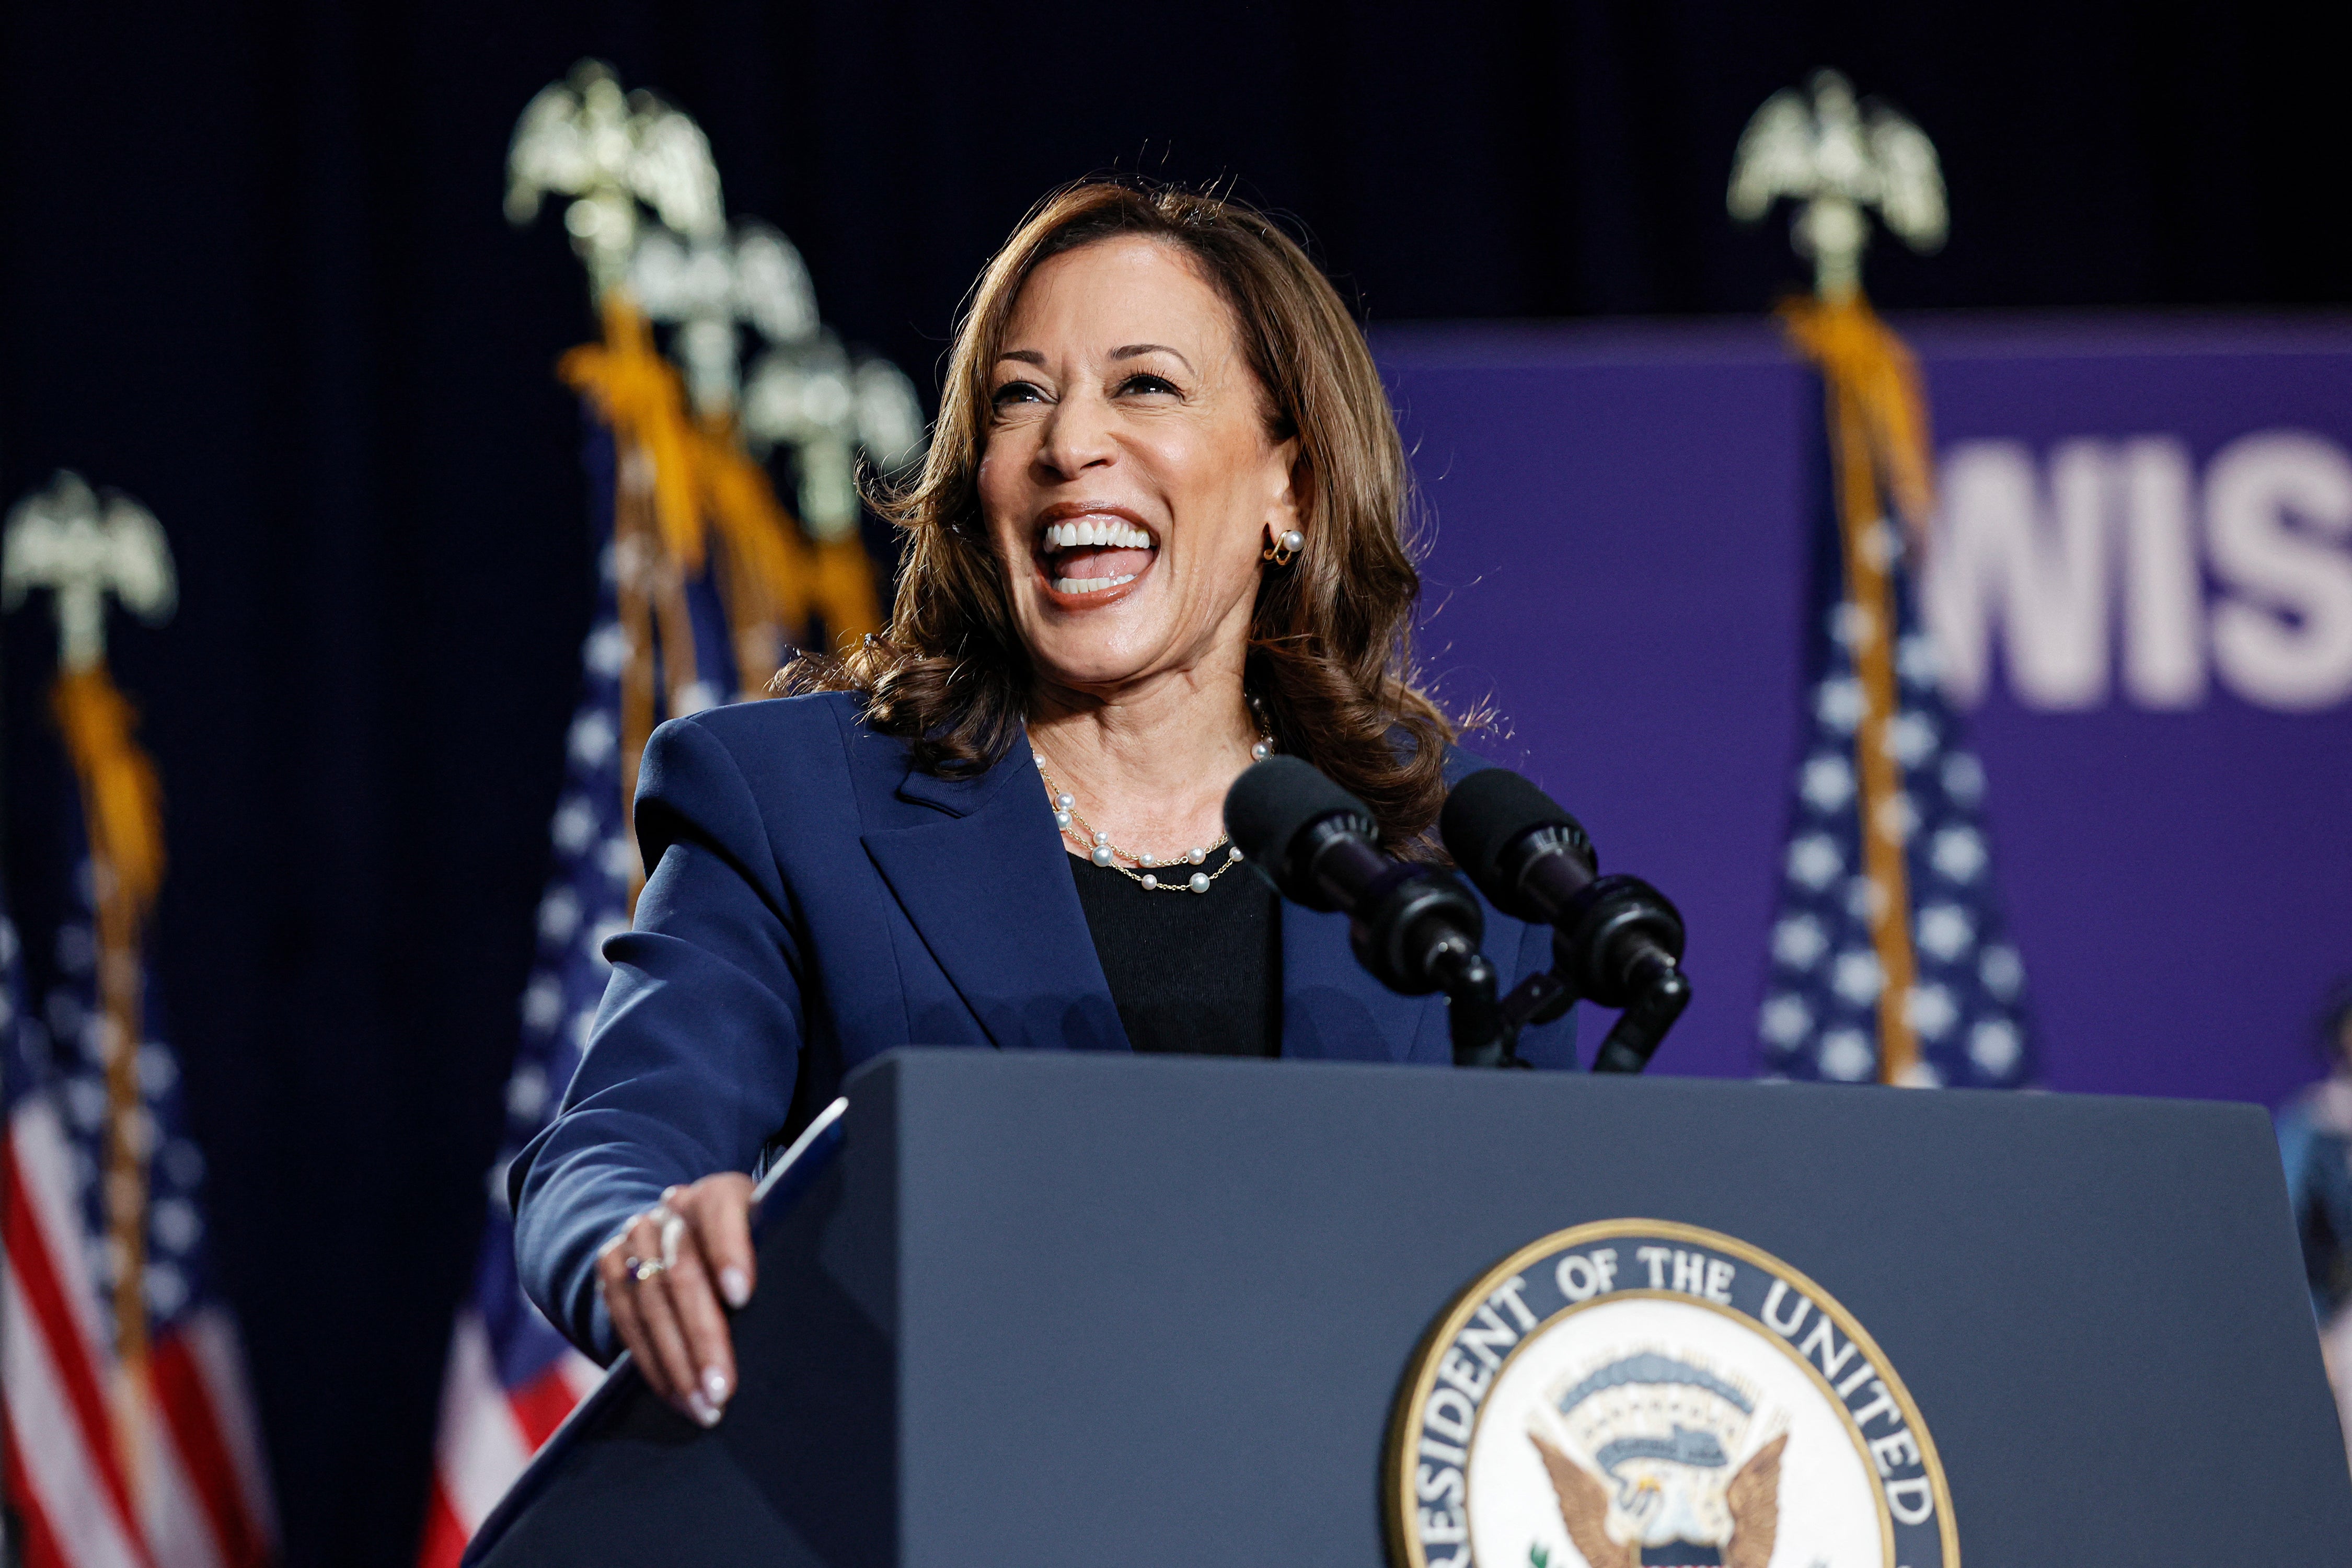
(1041, 1310)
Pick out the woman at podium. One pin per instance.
(1158, 535)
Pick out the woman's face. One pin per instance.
(1129, 480)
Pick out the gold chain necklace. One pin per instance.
(1142, 869)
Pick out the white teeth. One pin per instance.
(1090, 585)
(1116, 534)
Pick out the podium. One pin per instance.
(1037, 1310)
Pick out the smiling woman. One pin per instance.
(1157, 535)
(1173, 363)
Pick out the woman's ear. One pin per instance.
(1285, 507)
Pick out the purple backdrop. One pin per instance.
(2142, 582)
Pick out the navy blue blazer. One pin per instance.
(814, 901)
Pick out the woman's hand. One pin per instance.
(663, 1276)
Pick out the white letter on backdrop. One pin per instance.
(1997, 557)
(2283, 640)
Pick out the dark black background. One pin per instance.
(254, 271)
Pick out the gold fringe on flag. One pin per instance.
(122, 807)
(685, 495)
(1879, 450)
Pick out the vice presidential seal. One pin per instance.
(1637, 1393)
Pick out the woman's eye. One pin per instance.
(1144, 384)
(1013, 391)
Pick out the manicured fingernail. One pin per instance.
(735, 1284)
(714, 1386)
(701, 1409)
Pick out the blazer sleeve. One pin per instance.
(691, 1065)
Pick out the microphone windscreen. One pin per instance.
(1272, 802)
(1487, 813)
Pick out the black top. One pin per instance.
(1189, 971)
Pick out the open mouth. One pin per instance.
(1087, 554)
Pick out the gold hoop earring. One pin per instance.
(1282, 550)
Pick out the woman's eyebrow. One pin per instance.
(1136, 351)
(1026, 356)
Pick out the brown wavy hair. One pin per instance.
(1329, 658)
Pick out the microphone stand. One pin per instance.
(1617, 945)
(1483, 1035)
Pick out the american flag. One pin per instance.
(511, 1377)
(1930, 991)
(145, 1460)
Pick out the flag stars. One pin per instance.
(1945, 932)
(1931, 1011)
(575, 826)
(1785, 1020)
(1995, 1047)
(542, 1003)
(1846, 1056)
(1838, 705)
(1964, 779)
(1880, 544)
(1814, 860)
(1827, 782)
(594, 740)
(619, 858)
(174, 1223)
(559, 915)
(2002, 972)
(1957, 854)
(1918, 663)
(1798, 941)
(606, 650)
(1856, 977)
(1912, 739)
(166, 1287)
(1920, 1074)
(526, 1092)
(1852, 626)
(1864, 898)
(85, 1101)
(157, 1070)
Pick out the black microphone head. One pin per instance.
(1486, 815)
(1270, 807)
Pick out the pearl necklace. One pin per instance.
(1146, 869)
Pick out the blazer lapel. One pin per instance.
(1332, 1009)
(986, 884)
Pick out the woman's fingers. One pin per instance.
(663, 1277)
(702, 1326)
(614, 1263)
(646, 1315)
(722, 1215)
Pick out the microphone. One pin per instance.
(1414, 926)
(1615, 940)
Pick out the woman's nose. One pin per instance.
(1076, 438)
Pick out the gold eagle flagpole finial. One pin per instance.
(647, 218)
(1840, 161)
(86, 548)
